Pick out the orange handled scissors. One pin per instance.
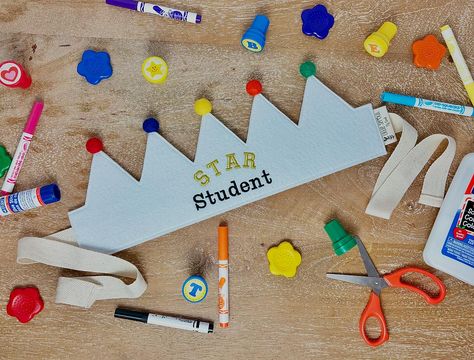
(377, 283)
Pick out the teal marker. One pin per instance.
(427, 104)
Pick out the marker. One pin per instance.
(427, 104)
(22, 149)
(29, 199)
(459, 61)
(163, 320)
(223, 285)
(159, 10)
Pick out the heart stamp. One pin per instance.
(9, 73)
(13, 75)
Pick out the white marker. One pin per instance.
(164, 320)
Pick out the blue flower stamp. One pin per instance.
(95, 66)
(317, 22)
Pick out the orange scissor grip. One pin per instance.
(394, 279)
(373, 310)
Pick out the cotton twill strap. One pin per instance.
(82, 291)
(405, 164)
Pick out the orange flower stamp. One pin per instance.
(428, 52)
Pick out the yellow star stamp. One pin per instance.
(155, 70)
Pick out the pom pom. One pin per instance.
(307, 69)
(254, 87)
(202, 106)
(151, 125)
(94, 145)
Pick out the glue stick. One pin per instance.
(29, 199)
(450, 247)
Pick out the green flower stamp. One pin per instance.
(5, 161)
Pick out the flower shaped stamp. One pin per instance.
(95, 66)
(25, 303)
(5, 161)
(428, 52)
(317, 22)
(283, 259)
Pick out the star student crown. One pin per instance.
(174, 192)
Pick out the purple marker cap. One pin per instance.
(127, 4)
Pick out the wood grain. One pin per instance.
(307, 317)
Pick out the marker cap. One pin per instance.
(50, 194)
(223, 242)
(127, 4)
(131, 315)
(32, 122)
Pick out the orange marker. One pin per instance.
(223, 286)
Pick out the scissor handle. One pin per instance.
(394, 279)
(373, 310)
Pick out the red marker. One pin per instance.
(14, 75)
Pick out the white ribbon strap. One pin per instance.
(405, 164)
(82, 291)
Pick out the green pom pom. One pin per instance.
(307, 69)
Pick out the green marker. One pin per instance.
(342, 242)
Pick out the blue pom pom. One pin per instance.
(151, 125)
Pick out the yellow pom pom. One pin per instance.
(202, 106)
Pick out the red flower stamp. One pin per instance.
(25, 303)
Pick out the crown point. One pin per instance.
(307, 69)
(94, 145)
(202, 106)
(151, 125)
(254, 87)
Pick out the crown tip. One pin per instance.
(202, 106)
(254, 87)
(94, 145)
(151, 125)
(308, 69)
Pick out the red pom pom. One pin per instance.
(254, 87)
(94, 145)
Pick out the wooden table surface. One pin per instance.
(271, 317)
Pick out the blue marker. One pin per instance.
(254, 37)
(427, 104)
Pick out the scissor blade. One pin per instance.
(376, 283)
(368, 263)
